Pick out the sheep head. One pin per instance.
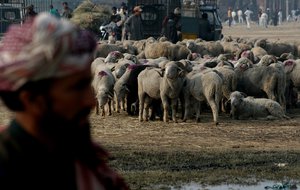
(289, 65)
(236, 98)
(267, 60)
(174, 70)
(243, 64)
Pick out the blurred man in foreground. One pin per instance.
(45, 80)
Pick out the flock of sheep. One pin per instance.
(255, 77)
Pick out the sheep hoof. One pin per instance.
(184, 120)
(216, 123)
(198, 120)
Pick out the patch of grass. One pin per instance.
(145, 169)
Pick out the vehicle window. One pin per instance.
(149, 15)
(210, 16)
(9, 15)
(189, 11)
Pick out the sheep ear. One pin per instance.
(180, 73)
(125, 87)
(160, 72)
(229, 100)
(244, 94)
(289, 66)
(110, 95)
(190, 56)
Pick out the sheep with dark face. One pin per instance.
(126, 87)
(243, 107)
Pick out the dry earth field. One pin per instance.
(236, 152)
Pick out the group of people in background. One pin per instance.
(65, 13)
(239, 15)
(123, 26)
(126, 26)
(264, 17)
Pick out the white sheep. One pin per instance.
(243, 107)
(103, 84)
(164, 84)
(203, 84)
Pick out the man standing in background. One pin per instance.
(133, 25)
(67, 11)
(229, 16)
(248, 18)
(240, 16)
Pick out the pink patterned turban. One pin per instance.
(44, 47)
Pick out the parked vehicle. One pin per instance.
(9, 15)
(194, 25)
(154, 11)
(13, 11)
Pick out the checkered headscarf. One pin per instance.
(41, 48)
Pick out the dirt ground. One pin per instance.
(155, 153)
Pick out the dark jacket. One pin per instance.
(171, 31)
(134, 27)
(25, 163)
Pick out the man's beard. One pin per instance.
(69, 137)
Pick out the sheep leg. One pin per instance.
(198, 111)
(97, 107)
(109, 107)
(223, 105)
(174, 105)
(113, 105)
(102, 111)
(271, 95)
(123, 104)
(146, 109)
(186, 108)
(282, 102)
(141, 106)
(165, 107)
(181, 98)
(118, 107)
(214, 109)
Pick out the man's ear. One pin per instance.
(32, 103)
